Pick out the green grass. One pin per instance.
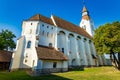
(99, 73)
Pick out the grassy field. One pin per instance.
(101, 73)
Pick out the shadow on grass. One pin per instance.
(22, 75)
(50, 77)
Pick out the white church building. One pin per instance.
(54, 44)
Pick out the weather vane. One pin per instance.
(83, 2)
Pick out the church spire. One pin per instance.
(86, 22)
(84, 9)
(85, 13)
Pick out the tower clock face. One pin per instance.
(85, 13)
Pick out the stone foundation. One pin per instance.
(49, 70)
(76, 67)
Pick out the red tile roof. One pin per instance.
(71, 27)
(5, 56)
(62, 24)
(47, 53)
(39, 17)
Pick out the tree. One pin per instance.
(6, 40)
(107, 40)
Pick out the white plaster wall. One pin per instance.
(49, 64)
(39, 64)
(18, 54)
(61, 41)
(58, 41)
(89, 26)
(80, 51)
(88, 53)
(71, 45)
(65, 64)
(30, 33)
(27, 26)
(83, 53)
(48, 36)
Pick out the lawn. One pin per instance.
(99, 73)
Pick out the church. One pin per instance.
(54, 45)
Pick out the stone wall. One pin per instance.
(50, 70)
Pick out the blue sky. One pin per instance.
(13, 12)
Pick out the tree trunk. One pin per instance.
(119, 61)
(114, 59)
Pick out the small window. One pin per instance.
(59, 49)
(31, 23)
(70, 52)
(50, 44)
(47, 26)
(43, 25)
(54, 64)
(25, 60)
(63, 50)
(51, 27)
(29, 44)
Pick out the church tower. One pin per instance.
(86, 22)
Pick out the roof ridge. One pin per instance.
(65, 20)
(70, 26)
(39, 17)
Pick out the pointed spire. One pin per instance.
(85, 13)
(84, 9)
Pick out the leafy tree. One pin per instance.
(107, 40)
(6, 40)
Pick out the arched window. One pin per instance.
(63, 50)
(54, 64)
(47, 34)
(50, 44)
(29, 44)
(73, 62)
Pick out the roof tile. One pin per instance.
(39, 17)
(5, 56)
(47, 53)
(71, 27)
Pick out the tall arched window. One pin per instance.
(43, 33)
(29, 44)
(47, 34)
